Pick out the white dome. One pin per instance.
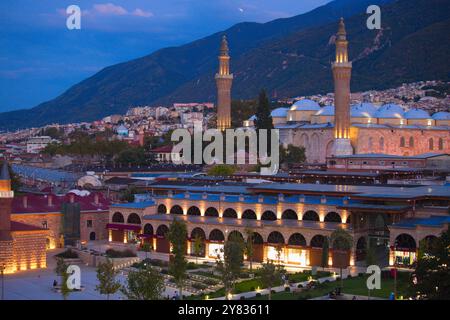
(416, 114)
(325, 111)
(279, 112)
(441, 115)
(390, 111)
(305, 105)
(363, 110)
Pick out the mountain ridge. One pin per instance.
(185, 73)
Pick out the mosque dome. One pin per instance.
(390, 111)
(363, 110)
(441, 115)
(279, 112)
(305, 105)
(416, 114)
(325, 111)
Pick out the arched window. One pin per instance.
(134, 219)
(381, 143)
(431, 144)
(230, 213)
(236, 236)
(257, 238)
(405, 241)
(117, 217)
(297, 239)
(193, 211)
(402, 141)
(211, 212)
(441, 144)
(162, 209)
(269, 215)
(317, 241)
(162, 230)
(216, 235)
(176, 210)
(311, 216)
(148, 229)
(289, 214)
(249, 214)
(333, 217)
(275, 237)
(198, 233)
(411, 141)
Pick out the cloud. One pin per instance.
(141, 13)
(110, 9)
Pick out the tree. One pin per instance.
(249, 250)
(128, 194)
(65, 291)
(221, 170)
(230, 267)
(270, 276)
(341, 240)
(292, 154)
(325, 253)
(279, 250)
(178, 265)
(431, 280)
(370, 254)
(106, 275)
(263, 117)
(145, 284)
(198, 246)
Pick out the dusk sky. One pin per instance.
(40, 58)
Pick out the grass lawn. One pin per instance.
(303, 276)
(356, 286)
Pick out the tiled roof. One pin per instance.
(40, 203)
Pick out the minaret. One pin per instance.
(224, 80)
(6, 197)
(342, 71)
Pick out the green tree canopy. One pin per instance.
(106, 275)
(178, 265)
(145, 284)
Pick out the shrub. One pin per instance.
(199, 286)
(300, 286)
(272, 291)
(287, 289)
(349, 276)
(241, 298)
(361, 274)
(258, 294)
(252, 288)
(211, 282)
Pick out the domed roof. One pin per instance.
(325, 111)
(305, 105)
(441, 115)
(416, 114)
(279, 112)
(390, 110)
(363, 110)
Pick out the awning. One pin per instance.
(117, 226)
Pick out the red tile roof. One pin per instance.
(40, 203)
(162, 149)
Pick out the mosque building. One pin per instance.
(363, 128)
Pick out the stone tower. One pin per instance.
(224, 80)
(342, 70)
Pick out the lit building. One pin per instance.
(364, 128)
(290, 222)
(22, 246)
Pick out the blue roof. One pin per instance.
(134, 205)
(305, 105)
(433, 221)
(44, 174)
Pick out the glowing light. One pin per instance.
(229, 296)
